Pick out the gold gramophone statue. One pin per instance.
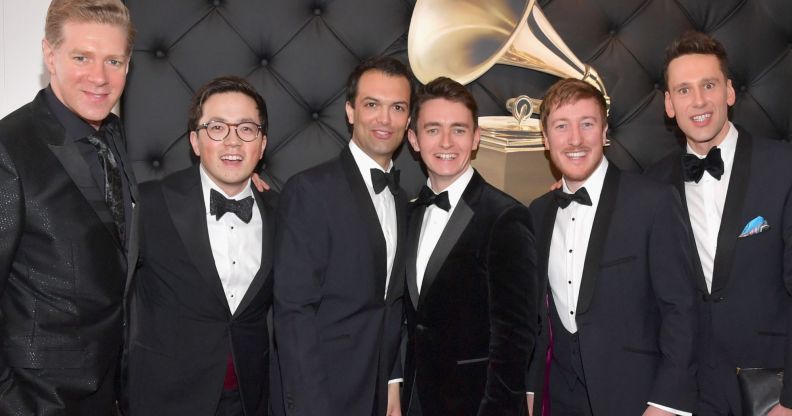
(463, 39)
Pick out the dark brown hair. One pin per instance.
(385, 64)
(221, 85)
(695, 43)
(448, 89)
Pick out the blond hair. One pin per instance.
(109, 12)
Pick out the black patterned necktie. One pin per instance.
(693, 167)
(113, 193)
(563, 199)
(428, 197)
(220, 205)
(380, 179)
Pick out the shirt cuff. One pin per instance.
(396, 380)
(668, 409)
(530, 393)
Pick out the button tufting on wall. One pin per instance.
(317, 11)
(264, 62)
(216, 3)
(743, 88)
(160, 53)
(656, 86)
(315, 116)
(156, 163)
(612, 32)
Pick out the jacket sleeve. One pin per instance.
(673, 282)
(299, 263)
(13, 398)
(511, 264)
(786, 391)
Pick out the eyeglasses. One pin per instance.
(218, 130)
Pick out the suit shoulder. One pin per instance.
(19, 121)
(661, 170)
(541, 203)
(320, 175)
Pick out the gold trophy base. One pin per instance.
(525, 174)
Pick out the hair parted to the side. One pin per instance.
(570, 91)
(695, 43)
(109, 12)
(448, 89)
(385, 64)
(225, 84)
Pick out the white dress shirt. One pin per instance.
(705, 201)
(434, 222)
(568, 248)
(569, 245)
(384, 204)
(236, 246)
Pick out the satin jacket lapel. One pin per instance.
(74, 163)
(267, 231)
(731, 223)
(362, 200)
(599, 232)
(456, 225)
(679, 183)
(414, 233)
(397, 274)
(184, 197)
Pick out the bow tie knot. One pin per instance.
(427, 197)
(381, 179)
(220, 205)
(694, 167)
(563, 199)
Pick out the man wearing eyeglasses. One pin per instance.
(204, 288)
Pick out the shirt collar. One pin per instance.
(457, 187)
(365, 163)
(75, 127)
(727, 147)
(207, 184)
(594, 182)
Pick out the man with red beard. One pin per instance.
(738, 193)
(618, 283)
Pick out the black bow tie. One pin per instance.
(428, 197)
(381, 179)
(563, 199)
(219, 205)
(693, 167)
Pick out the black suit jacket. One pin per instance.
(337, 334)
(185, 330)
(746, 319)
(63, 271)
(474, 325)
(636, 314)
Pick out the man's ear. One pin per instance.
(413, 139)
(49, 55)
(669, 106)
(605, 135)
(263, 145)
(350, 112)
(476, 138)
(194, 143)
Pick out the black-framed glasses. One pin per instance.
(218, 130)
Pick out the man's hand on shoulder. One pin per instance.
(259, 183)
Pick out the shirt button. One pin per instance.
(232, 227)
(571, 312)
(232, 295)
(570, 282)
(233, 262)
(570, 250)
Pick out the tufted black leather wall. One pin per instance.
(299, 52)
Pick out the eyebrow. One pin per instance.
(438, 124)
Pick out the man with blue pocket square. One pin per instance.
(737, 190)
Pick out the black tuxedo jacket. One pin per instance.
(636, 314)
(746, 319)
(63, 271)
(337, 333)
(184, 330)
(474, 325)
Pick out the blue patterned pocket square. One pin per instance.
(755, 226)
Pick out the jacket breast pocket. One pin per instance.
(617, 261)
